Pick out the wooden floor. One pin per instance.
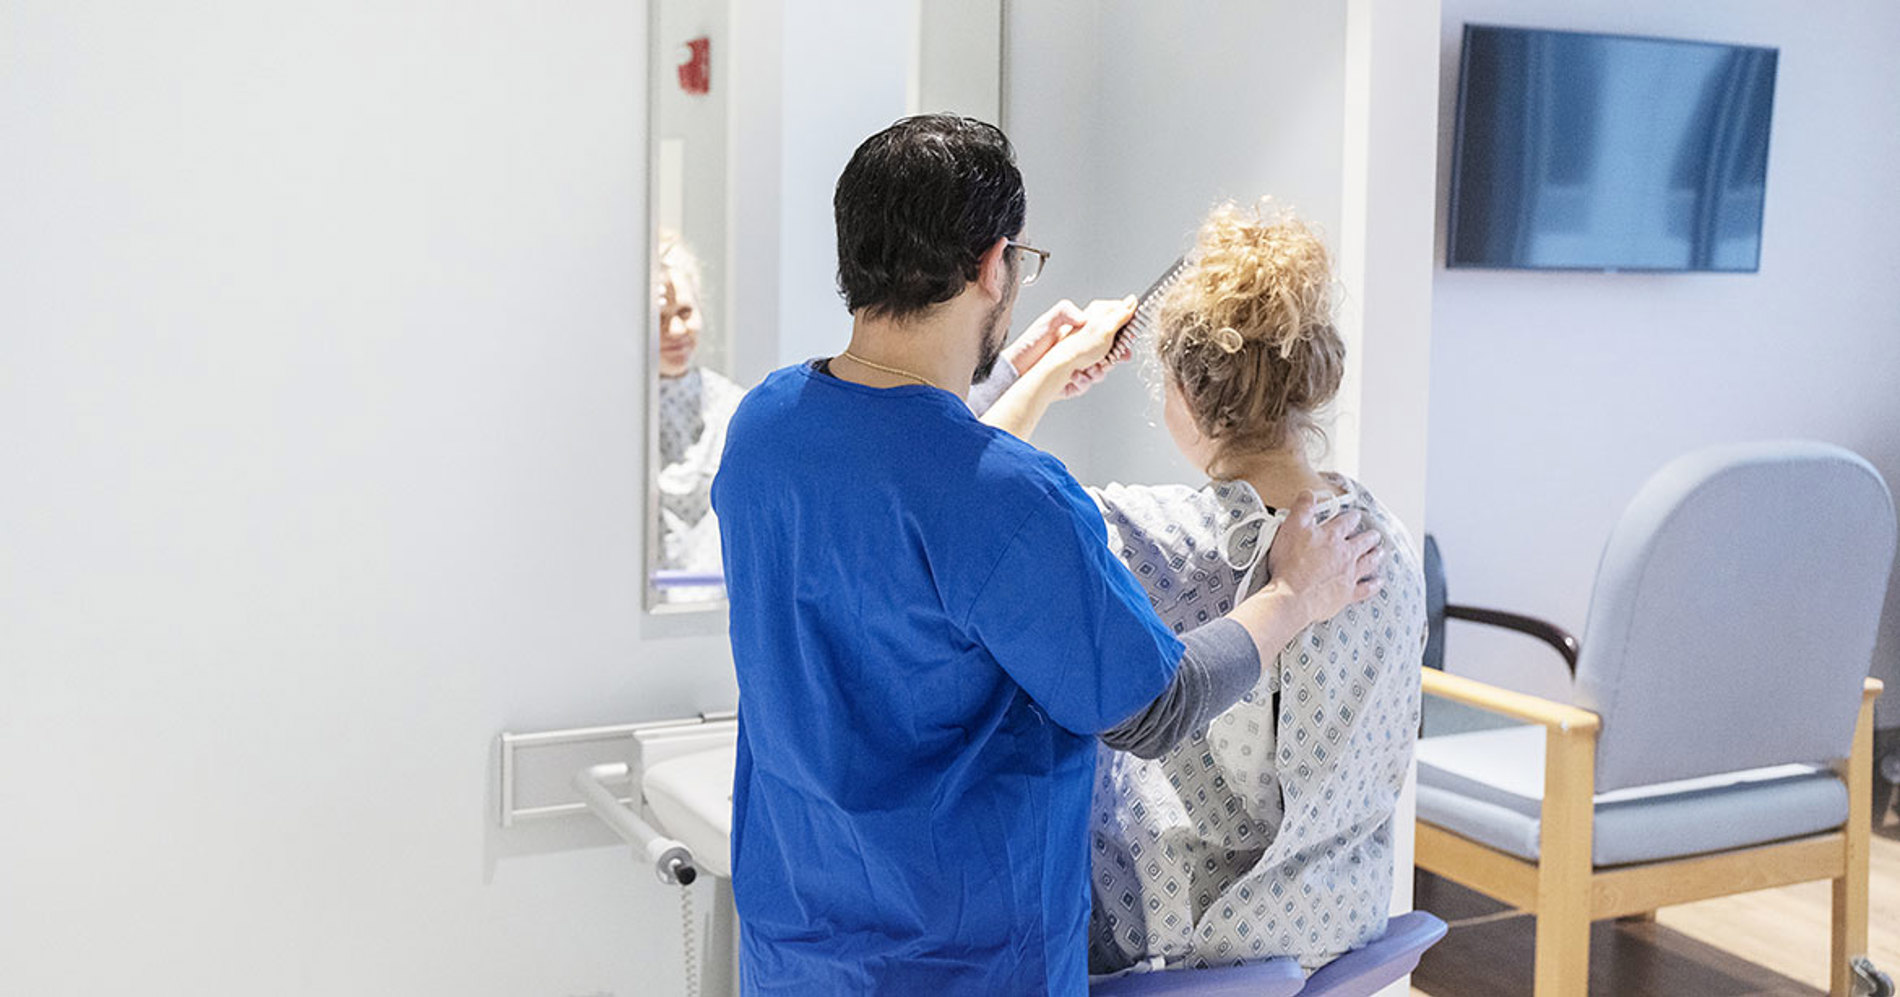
(1770, 942)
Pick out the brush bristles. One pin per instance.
(1149, 306)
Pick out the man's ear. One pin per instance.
(993, 270)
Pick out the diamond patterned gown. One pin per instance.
(694, 410)
(1269, 833)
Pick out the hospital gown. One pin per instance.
(1265, 835)
(694, 410)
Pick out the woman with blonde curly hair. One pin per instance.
(1269, 833)
(695, 404)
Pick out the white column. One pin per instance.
(1386, 255)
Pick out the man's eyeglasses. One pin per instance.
(1032, 260)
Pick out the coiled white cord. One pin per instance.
(689, 935)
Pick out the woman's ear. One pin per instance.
(993, 273)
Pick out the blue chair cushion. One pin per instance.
(1489, 786)
(1368, 970)
(1272, 978)
(1359, 973)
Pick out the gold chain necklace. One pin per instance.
(890, 370)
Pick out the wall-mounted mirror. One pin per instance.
(692, 392)
(956, 65)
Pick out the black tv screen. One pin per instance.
(1606, 152)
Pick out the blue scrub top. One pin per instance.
(928, 627)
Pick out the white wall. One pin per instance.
(1052, 112)
(957, 66)
(321, 387)
(754, 199)
(1132, 120)
(1554, 395)
(847, 72)
(1385, 249)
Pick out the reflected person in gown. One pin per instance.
(1269, 832)
(696, 402)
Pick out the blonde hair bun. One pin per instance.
(1247, 333)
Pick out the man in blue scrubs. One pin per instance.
(928, 626)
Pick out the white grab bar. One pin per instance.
(672, 860)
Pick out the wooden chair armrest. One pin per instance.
(1517, 705)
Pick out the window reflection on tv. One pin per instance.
(1602, 152)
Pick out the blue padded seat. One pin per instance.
(1368, 970)
(1488, 786)
(1272, 978)
(1359, 973)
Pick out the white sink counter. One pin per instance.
(691, 800)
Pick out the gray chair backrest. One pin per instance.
(1734, 613)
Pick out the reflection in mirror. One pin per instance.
(693, 394)
(696, 401)
(956, 65)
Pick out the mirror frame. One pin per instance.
(659, 71)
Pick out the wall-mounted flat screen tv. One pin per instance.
(1606, 152)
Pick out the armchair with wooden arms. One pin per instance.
(1720, 739)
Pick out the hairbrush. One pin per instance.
(1148, 306)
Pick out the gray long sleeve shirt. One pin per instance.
(1220, 664)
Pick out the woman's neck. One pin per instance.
(1279, 476)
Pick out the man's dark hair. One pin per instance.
(917, 206)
